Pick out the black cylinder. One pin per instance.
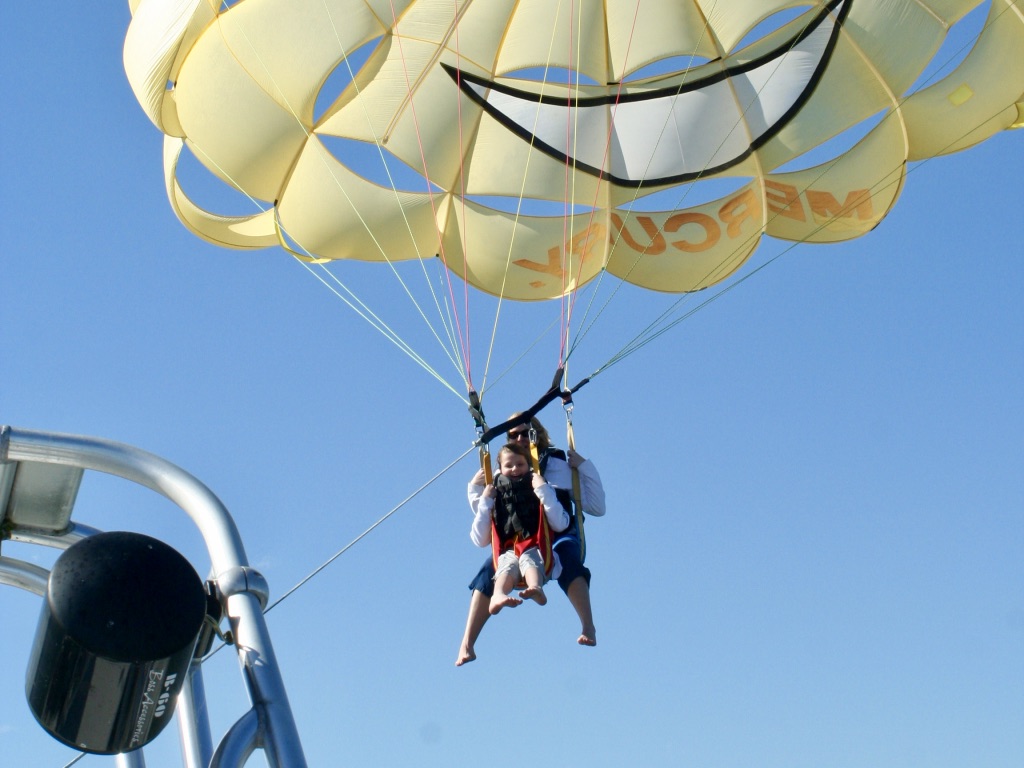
(115, 638)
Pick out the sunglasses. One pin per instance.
(519, 435)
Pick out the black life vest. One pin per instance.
(517, 511)
(518, 521)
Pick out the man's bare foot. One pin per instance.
(536, 594)
(466, 655)
(588, 636)
(501, 601)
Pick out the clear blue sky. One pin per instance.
(812, 555)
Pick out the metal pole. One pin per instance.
(194, 720)
(244, 590)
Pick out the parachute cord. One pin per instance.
(362, 310)
(648, 335)
(320, 568)
(587, 328)
(381, 327)
(451, 327)
(515, 222)
(468, 351)
(370, 529)
(618, 236)
(522, 354)
(306, 255)
(712, 273)
(656, 329)
(568, 183)
(585, 250)
(629, 348)
(377, 143)
(566, 349)
(462, 337)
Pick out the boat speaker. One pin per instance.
(116, 635)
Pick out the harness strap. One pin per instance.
(577, 492)
(534, 452)
(524, 418)
(485, 464)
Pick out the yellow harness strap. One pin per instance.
(485, 464)
(534, 452)
(577, 493)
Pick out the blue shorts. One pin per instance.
(484, 579)
(568, 549)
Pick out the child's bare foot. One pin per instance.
(501, 601)
(466, 655)
(536, 594)
(588, 636)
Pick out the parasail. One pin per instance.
(534, 145)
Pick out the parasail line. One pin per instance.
(365, 312)
(897, 102)
(320, 568)
(369, 530)
(462, 338)
(453, 351)
(343, 192)
(450, 329)
(454, 331)
(570, 197)
(622, 280)
(515, 226)
(712, 273)
(522, 354)
(305, 258)
(380, 326)
(637, 342)
(462, 201)
(571, 133)
(564, 354)
(564, 348)
(398, 277)
(597, 190)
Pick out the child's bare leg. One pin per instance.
(503, 584)
(534, 589)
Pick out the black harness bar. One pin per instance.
(487, 434)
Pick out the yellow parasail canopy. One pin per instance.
(616, 109)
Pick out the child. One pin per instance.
(514, 514)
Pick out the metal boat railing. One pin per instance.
(40, 474)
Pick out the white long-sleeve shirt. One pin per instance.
(559, 474)
(480, 530)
